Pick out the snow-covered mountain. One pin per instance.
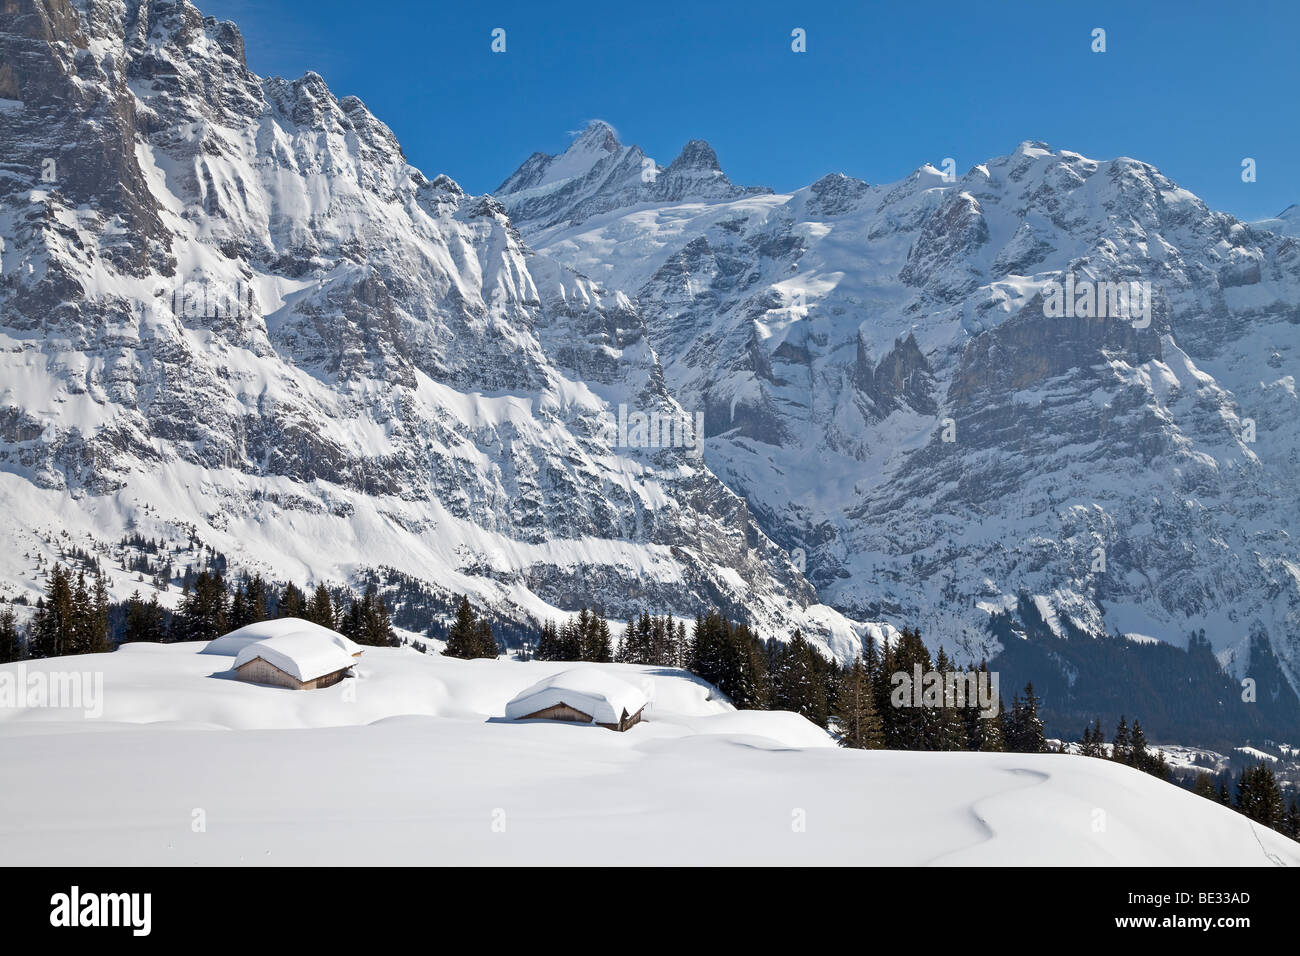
(882, 379)
(230, 307)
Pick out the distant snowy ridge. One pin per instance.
(882, 381)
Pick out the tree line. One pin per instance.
(1258, 796)
(74, 616)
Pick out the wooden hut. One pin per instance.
(584, 695)
(300, 661)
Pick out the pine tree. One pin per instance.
(1137, 753)
(685, 647)
(468, 637)
(55, 619)
(637, 647)
(255, 595)
(1120, 747)
(951, 726)
(376, 629)
(320, 609)
(10, 645)
(98, 619)
(144, 620)
(1291, 825)
(855, 711)
(596, 645)
(1027, 736)
(292, 603)
(77, 643)
(485, 642)
(1259, 796)
(548, 644)
(202, 613)
(570, 643)
(238, 616)
(907, 726)
(1204, 786)
(799, 685)
(753, 690)
(881, 669)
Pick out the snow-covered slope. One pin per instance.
(881, 380)
(230, 308)
(411, 762)
(1285, 223)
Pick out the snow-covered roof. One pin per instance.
(234, 642)
(588, 689)
(304, 655)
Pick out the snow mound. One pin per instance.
(294, 778)
(587, 689)
(301, 654)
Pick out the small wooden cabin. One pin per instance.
(563, 711)
(262, 671)
(301, 660)
(584, 695)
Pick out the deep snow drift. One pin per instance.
(413, 762)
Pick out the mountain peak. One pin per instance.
(597, 136)
(697, 154)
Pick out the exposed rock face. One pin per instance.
(883, 382)
(231, 304)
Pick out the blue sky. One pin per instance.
(1192, 87)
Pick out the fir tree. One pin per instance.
(799, 685)
(907, 726)
(469, 637)
(596, 644)
(548, 644)
(201, 615)
(1204, 786)
(1259, 797)
(55, 619)
(376, 628)
(10, 645)
(1137, 751)
(255, 595)
(752, 689)
(855, 710)
(1026, 733)
(144, 620)
(320, 609)
(984, 731)
(1291, 825)
(292, 603)
(951, 725)
(98, 617)
(1120, 746)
